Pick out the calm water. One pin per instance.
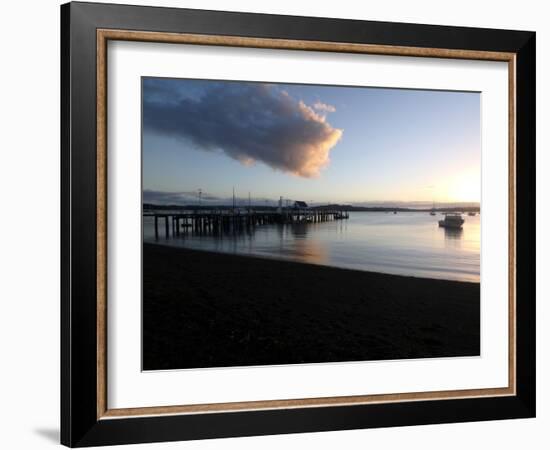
(407, 243)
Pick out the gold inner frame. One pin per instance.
(104, 35)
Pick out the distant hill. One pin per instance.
(332, 207)
(160, 207)
(338, 207)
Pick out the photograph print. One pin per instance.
(305, 224)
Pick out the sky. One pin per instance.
(319, 144)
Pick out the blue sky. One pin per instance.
(308, 142)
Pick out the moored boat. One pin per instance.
(452, 220)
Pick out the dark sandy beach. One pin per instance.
(203, 309)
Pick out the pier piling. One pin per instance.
(219, 222)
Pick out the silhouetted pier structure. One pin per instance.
(227, 221)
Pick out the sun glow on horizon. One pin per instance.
(399, 146)
(464, 187)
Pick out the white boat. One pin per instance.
(452, 220)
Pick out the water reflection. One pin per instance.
(299, 230)
(453, 233)
(307, 250)
(453, 237)
(405, 243)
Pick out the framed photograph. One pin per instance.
(276, 224)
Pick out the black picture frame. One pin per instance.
(80, 425)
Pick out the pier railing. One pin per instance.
(227, 221)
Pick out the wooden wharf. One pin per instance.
(228, 221)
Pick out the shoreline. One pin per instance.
(283, 259)
(206, 309)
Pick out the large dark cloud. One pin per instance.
(249, 122)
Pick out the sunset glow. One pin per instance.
(322, 144)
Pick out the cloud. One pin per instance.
(249, 122)
(320, 106)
